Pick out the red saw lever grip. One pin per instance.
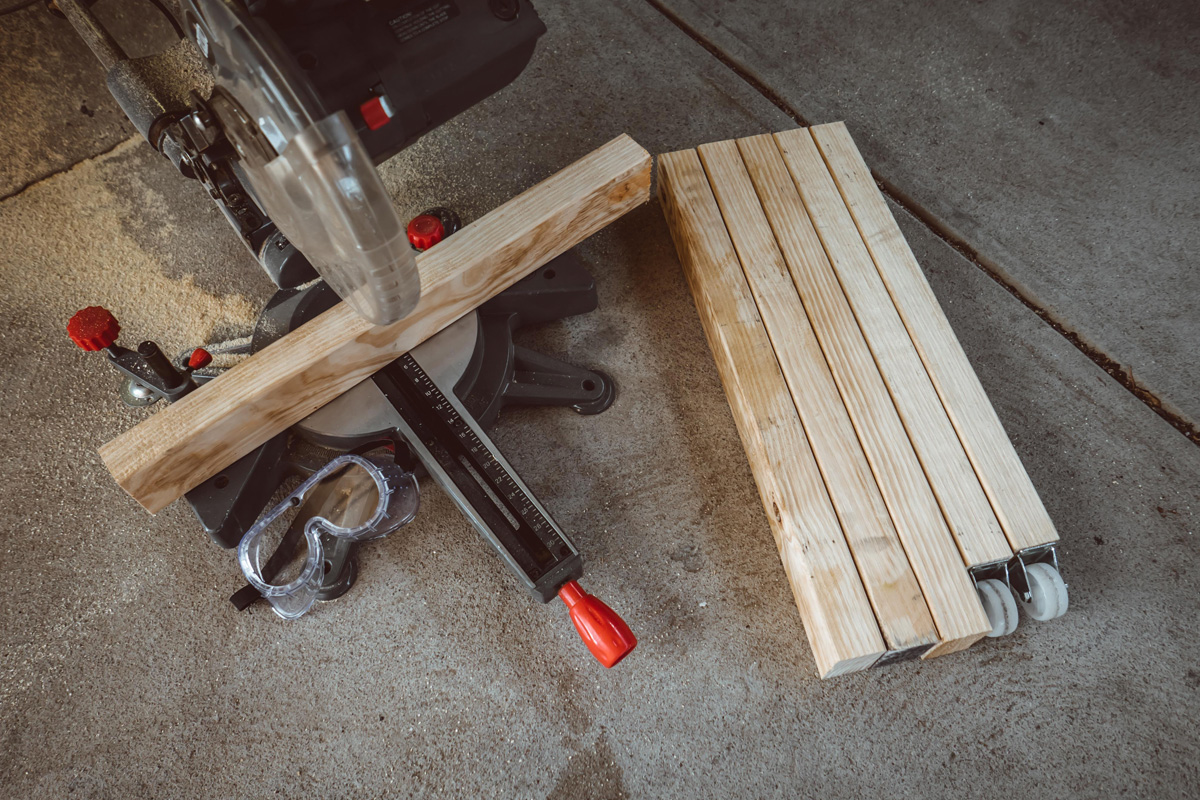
(601, 628)
(199, 359)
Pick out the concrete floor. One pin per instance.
(1057, 141)
(124, 672)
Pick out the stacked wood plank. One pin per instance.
(885, 473)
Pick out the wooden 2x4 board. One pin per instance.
(884, 470)
(195, 438)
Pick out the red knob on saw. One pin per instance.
(602, 630)
(93, 328)
(199, 359)
(425, 231)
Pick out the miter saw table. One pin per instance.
(479, 370)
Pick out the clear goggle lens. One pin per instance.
(352, 497)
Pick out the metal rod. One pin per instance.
(94, 34)
(161, 365)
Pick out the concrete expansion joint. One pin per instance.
(1121, 373)
(131, 141)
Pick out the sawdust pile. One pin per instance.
(67, 243)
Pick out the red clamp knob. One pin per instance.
(199, 358)
(425, 231)
(602, 630)
(93, 328)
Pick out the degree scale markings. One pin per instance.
(456, 453)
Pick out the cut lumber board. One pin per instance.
(189, 441)
(1004, 479)
(964, 505)
(936, 562)
(838, 619)
(882, 564)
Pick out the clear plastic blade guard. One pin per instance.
(308, 169)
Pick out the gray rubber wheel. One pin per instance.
(1047, 592)
(999, 605)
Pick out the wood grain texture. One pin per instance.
(187, 442)
(922, 529)
(882, 564)
(966, 508)
(997, 465)
(838, 619)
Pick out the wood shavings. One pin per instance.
(68, 242)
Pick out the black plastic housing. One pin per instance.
(432, 59)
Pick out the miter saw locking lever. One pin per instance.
(149, 375)
(460, 456)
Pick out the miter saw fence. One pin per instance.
(295, 104)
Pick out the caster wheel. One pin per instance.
(1047, 592)
(999, 605)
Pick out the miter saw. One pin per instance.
(281, 109)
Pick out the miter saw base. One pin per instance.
(476, 355)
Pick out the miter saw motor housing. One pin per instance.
(400, 68)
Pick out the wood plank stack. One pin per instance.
(885, 473)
